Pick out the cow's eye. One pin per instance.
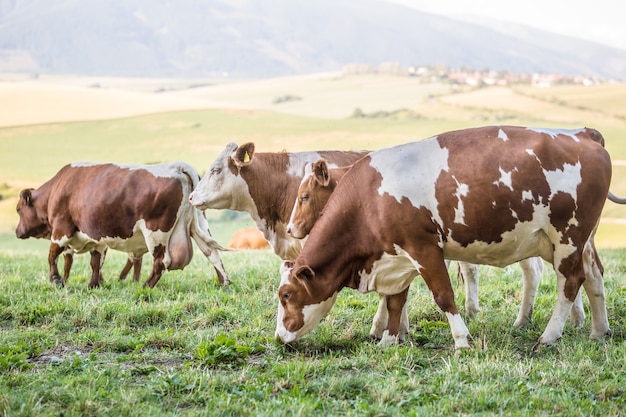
(216, 171)
(304, 197)
(286, 296)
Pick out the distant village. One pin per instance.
(474, 78)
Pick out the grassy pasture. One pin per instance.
(188, 347)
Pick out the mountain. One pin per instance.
(248, 38)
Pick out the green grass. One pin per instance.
(189, 347)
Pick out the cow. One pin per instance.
(318, 183)
(264, 185)
(249, 238)
(489, 195)
(137, 209)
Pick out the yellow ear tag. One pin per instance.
(246, 157)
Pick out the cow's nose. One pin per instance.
(191, 198)
(278, 338)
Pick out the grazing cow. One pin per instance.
(250, 238)
(132, 208)
(264, 185)
(318, 183)
(491, 195)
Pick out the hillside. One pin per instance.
(242, 38)
(108, 126)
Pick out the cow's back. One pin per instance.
(473, 191)
(106, 200)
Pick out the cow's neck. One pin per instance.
(271, 188)
(273, 192)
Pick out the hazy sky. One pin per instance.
(597, 20)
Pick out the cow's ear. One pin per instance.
(286, 265)
(243, 154)
(320, 170)
(305, 273)
(27, 196)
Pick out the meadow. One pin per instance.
(189, 347)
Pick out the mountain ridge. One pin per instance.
(243, 38)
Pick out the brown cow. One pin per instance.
(132, 208)
(264, 185)
(250, 238)
(315, 189)
(492, 195)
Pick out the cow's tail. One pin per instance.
(618, 200)
(199, 228)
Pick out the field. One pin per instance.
(189, 347)
(115, 120)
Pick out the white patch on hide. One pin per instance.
(505, 179)
(565, 180)
(401, 180)
(390, 274)
(553, 133)
(459, 211)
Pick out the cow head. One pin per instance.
(32, 223)
(300, 308)
(314, 192)
(223, 185)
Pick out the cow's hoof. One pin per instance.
(58, 281)
(388, 339)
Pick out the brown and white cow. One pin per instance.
(264, 185)
(317, 185)
(136, 209)
(492, 195)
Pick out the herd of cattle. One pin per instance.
(370, 221)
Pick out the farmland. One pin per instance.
(189, 347)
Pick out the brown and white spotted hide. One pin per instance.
(492, 195)
(137, 209)
(264, 185)
(315, 189)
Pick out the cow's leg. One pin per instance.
(470, 278)
(570, 274)
(53, 256)
(396, 307)
(532, 268)
(208, 246)
(594, 287)
(137, 261)
(126, 269)
(577, 314)
(68, 260)
(435, 274)
(97, 259)
(133, 262)
(157, 268)
(381, 318)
